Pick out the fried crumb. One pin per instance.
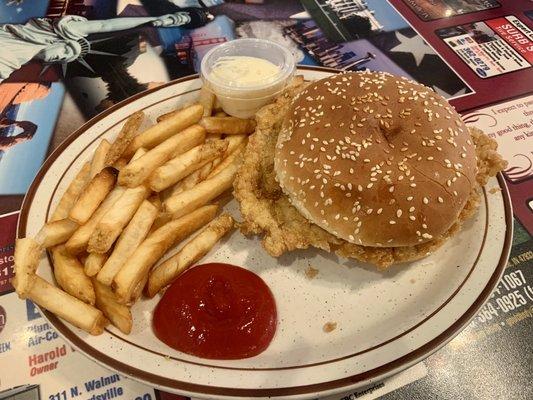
(495, 190)
(311, 272)
(329, 327)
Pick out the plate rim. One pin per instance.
(332, 386)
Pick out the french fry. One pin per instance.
(80, 238)
(213, 136)
(207, 100)
(69, 275)
(124, 138)
(228, 125)
(129, 240)
(184, 164)
(72, 193)
(113, 222)
(138, 265)
(120, 163)
(162, 219)
(171, 114)
(137, 171)
(217, 107)
(190, 181)
(93, 263)
(234, 142)
(118, 314)
(137, 292)
(95, 192)
(155, 200)
(56, 232)
(83, 257)
(203, 173)
(138, 153)
(193, 179)
(99, 157)
(189, 200)
(167, 115)
(192, 251)
(165, 129)
(68, 307)
(27, 255)
(235, 157)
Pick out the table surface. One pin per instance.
(478, 54)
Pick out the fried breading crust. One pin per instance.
(266, 210)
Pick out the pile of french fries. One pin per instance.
(125, 209)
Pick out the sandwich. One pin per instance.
(371, 166)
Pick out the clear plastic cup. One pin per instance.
(241, 100)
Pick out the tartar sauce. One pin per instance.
(244, 71)
(246, 74)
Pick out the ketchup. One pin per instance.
(217, 311)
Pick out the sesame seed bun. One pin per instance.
(375, 159)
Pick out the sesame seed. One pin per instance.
(440, 199)
(392, 222)
(425, 200)
(412, 217)
(399, 213)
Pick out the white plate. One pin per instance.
(385, 321)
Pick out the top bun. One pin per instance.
(375, 159)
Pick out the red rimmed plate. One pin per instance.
(385, 321)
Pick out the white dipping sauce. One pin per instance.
(243, 84)
(244, 71)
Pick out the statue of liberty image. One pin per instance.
(64, 40)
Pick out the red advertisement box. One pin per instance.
(515, 33)
(8, 222)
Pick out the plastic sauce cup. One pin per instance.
(241, 100)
